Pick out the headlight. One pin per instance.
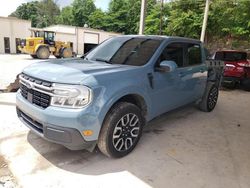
(70, 96)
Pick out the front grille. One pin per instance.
(31, 122)
(33, 96)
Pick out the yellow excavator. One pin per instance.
(42, 44)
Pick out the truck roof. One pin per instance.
(164, 37)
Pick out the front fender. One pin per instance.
(40, 45)
(112, 99)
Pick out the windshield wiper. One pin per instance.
(102, 60)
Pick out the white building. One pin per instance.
(12, 30)
(82, 39)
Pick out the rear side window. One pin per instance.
(173, 52)
(194, 54)
(231, 56)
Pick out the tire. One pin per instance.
(43, 53)
(210, 97)
(121, 130)
(34, 56)
(66, 53)
(246, 84)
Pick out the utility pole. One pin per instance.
(142, 17)
(161, 17)
(203, 32)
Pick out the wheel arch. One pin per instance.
(40, 46)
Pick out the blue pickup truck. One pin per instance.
(106, 97)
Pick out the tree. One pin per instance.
(152, 22)
(81, 11)
(27, 11)
(41, 13)
(48, 12)
(99, 20)
(66, 16)
(185, 18)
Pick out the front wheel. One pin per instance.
(121, 130)
(210, 97)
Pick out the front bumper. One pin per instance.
(58, 125)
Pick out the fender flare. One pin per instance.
(41, 45)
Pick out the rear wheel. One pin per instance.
(246, 84)
(121, 130)
(43, 53)
(66, 53)
(210, 97)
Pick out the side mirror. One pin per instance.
(166, 66)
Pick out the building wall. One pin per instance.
(79, 36)
(16, 28)
(13, 28)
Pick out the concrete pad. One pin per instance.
(11, 65)
(184, 148)
(8, 99)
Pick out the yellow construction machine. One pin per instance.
(42, 44)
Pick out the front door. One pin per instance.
(7, 45)
(169, 87)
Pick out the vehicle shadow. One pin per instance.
(148, 157)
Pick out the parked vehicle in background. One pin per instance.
(107, 97)
(42, 44)
(237, 68)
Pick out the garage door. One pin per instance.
(91, 38)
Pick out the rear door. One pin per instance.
(196, 69)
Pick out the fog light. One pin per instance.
(87, 132)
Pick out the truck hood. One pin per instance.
(72, 71)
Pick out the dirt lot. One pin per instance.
(185, 148)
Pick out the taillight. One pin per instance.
(31, 43)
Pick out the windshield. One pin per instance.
(231, 56)
(135, 51)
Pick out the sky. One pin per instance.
(10, 6)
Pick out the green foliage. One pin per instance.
(48, 11)
(66, 16)
(81, 10)
(227, 19)
(27, 11)
(99, 20)
(41, 14)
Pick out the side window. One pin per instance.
(194, 54)
(173, 52)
